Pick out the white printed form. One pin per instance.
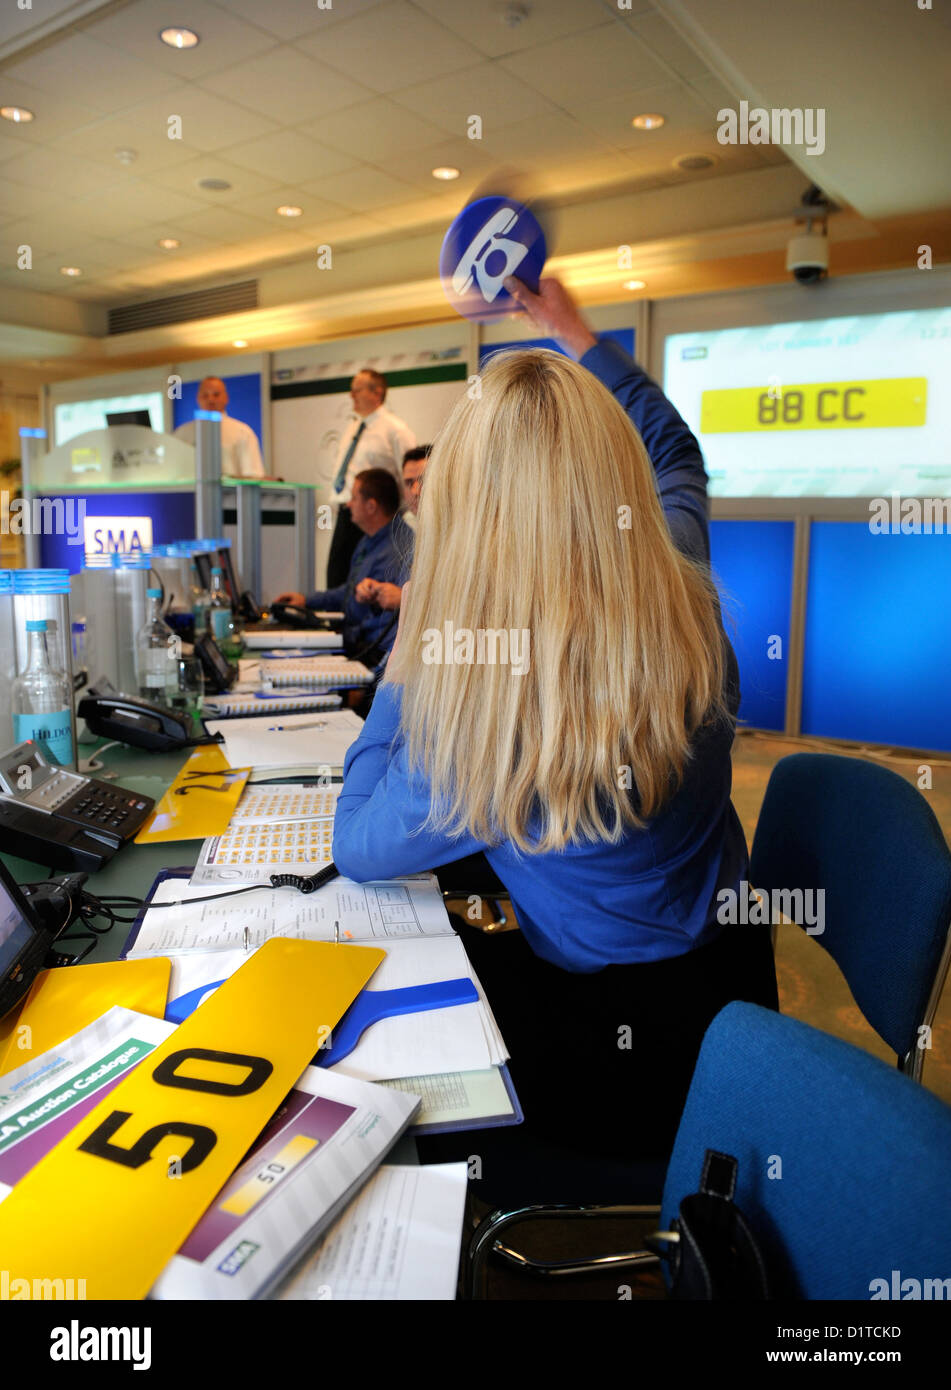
(409, 907)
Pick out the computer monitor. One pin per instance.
(23, 944)
(129, 417)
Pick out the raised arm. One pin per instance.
(673, 450)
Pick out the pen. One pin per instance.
(247, 938)
(292, 728)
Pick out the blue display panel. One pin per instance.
(752, 564)
(111, 522)
(877, 655)
(624, 336)
(244, 401)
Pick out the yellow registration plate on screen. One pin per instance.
(887, 403)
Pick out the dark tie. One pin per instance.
(341, 477)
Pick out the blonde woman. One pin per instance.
(562, 697)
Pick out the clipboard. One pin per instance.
(516, 1117)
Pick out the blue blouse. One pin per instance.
(654, 893)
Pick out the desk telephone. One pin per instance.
(289, 616)
(61, 819)
(111, 714)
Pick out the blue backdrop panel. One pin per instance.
(877, 658)
(244, 401)
(172, 513)
(624, 336)
(752, 564)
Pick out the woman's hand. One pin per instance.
(554, 312)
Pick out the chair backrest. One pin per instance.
(870, 840)
(844, 1164)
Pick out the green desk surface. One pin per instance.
(134, 868)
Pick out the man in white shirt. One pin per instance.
(375, 438)
(240, 453)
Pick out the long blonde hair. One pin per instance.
(523, 526)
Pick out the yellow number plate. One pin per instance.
(892, 403)
(113, 1201)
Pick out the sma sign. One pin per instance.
(117, 535)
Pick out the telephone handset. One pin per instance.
(110, 714)
(489, 242)
(289, 616)
(58, 818)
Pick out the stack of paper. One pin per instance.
(260, 703)
(290, 740)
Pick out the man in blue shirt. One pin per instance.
(384, 554)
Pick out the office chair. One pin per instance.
(871, 841)
(843, 1164)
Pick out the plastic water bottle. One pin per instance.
(156, 655)
(200, 601)
(42, 700)
(220, 618)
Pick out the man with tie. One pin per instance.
(375, 438)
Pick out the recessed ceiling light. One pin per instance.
(70, 270)
(16, 113)
(176, 37)
(690, 163)
(649, 120)
(445, 172)
(240, 342)
(635, 284)
(289, 210)
(213, 185)
(169, 243)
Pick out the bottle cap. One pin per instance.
(153, 593)
(36, 624)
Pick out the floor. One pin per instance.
(811, 988)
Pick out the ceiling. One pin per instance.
(345, 110)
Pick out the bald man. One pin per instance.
(240, 454)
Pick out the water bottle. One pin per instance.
(156, 655)
(200, 601)
(220, 618)
(43, 701)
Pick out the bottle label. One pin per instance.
(220, 623)
(53, 732)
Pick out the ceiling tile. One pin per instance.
(485, 26)
(224, 38)
(81, 69)
(224, 224)
(666, 44)
(54, 114)
(573, 72)
(362, 189)
(380, 47)
(184, 179)
(287, 86)
(21, 199)
(315, 207)
(557, 137)
(100, 140)
(290, 19)
(129, 206)
(487, 91)
(374, 130)
(208, 122)
(291, 157)
(471, 157)
(70, 177)
(424, 212)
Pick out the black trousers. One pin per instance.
(343, 543)
(602, 1062)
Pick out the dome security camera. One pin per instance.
(807, 257)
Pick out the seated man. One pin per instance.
(414, 466)
(384, 554)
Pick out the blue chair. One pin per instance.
(844, 1165)
(870, 840)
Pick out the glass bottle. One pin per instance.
(156, 654)
(222, 624)
(42, 700)
(200, 601)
